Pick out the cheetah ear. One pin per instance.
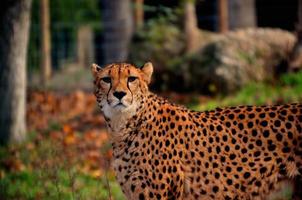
(147, 70)
(95, 69)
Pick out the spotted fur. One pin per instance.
(165, 151)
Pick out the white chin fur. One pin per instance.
(118, 111)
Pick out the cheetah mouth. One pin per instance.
(119, 105)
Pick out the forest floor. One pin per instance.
(67, 154)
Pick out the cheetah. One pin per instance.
(165, 151)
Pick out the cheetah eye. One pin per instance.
(106, 79)
(131, 78)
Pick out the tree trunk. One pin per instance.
(296, 54)
(45, 42)
(14, 23)
(223, 16)
(85, 46)
(118, 30)
(139, 14)
(300, 15)
(242, 14)
(191, 28)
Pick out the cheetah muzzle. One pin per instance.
(166, 151)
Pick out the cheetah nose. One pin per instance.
(119, 95)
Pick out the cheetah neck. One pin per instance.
(121, 132)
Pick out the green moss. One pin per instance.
(247, 57)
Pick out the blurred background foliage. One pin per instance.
(66, 17)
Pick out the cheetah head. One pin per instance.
(120, 87)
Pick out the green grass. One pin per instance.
(288, 89)
(34, 185)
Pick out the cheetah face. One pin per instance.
(120, 88)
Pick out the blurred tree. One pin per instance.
(74, 11)
(45, 42)
(242, 14)
(190, 25)
(14, 32)
(296, 54)
(118, 29)
(223, 16)
(299, 26)
(65, 17)
(138, 13)
(70, 19)
(85, 46)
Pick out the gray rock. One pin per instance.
(237, 58)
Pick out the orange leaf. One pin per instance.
(67, 128)
(70, 138)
